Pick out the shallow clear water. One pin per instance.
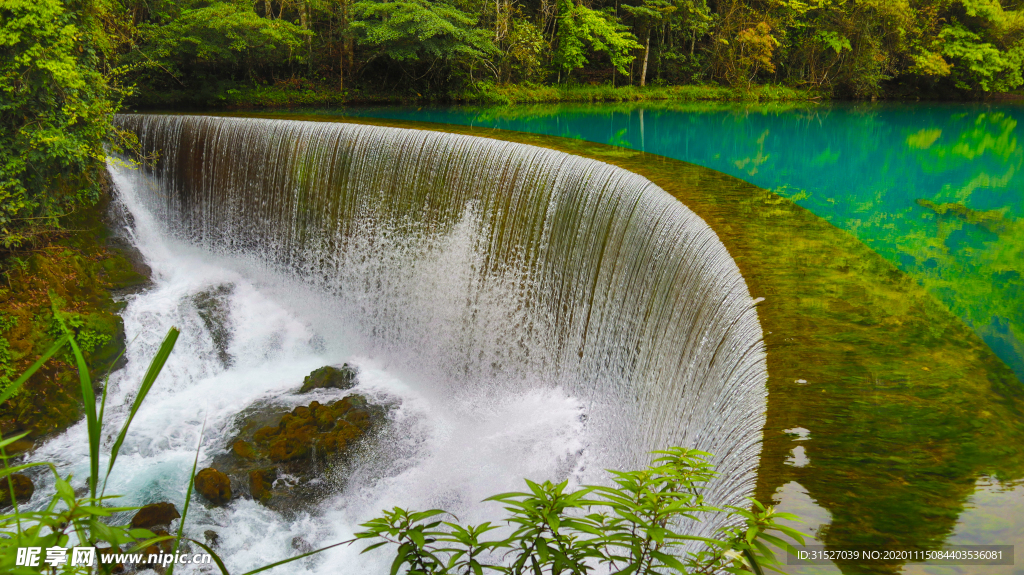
(870, 169)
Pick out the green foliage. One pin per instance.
(582, 30)
(981, 65)
(62, 322)
(417, 34)
(55, 111)
(201, 52)
(68, 514)
(220, 39)
(6, 369)
(630, 527)
(522, 52)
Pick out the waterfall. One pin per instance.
(486, 265)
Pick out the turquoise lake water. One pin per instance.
(881, 427)
(938, 189)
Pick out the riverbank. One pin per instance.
(302, 93)
(74, 273)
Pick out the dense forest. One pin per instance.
(67, 65)
(849, 48)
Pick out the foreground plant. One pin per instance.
(68, 519)
(632, 527)
(72, 531)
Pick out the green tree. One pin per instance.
(648, 16)
(985, 46)
(424, 40)
(221, 40)
(55, 111)
(582, 31)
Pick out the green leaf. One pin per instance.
(155, 367)
(16, 385)
(420, 516)
(188, 496)
(669, 560)
(753, 562)
(374, 546)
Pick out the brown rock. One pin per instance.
(161, 548)
(260, 481)
(20, 446)
(23, 489)
(243, 449)
(165, 546)
(330, 377)
(155, 514)
(299, 443)
(214, 486)
(331, 428)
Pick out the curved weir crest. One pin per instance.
(486, 265)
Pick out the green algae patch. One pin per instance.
(992, 220)
(904, 407)
(70, 277)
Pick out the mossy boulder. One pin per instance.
(243, 449)
(330, 377)
(23, 489)
(329, 428)
(279, 456)
(214, 486)
(261, 481)
(155, 515)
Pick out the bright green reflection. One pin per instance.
(936, 189)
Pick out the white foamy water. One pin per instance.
(438, 449)
(523, 313)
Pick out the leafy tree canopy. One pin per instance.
(55, 111)
(582, 30)
(223, 37)
(437, 34)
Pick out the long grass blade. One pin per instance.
(296, 558)
(188, 496)
(13, 387)
(155, 367)
(216, 558)
(91, 421)
(106, 384)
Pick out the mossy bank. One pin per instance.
(74, 274)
